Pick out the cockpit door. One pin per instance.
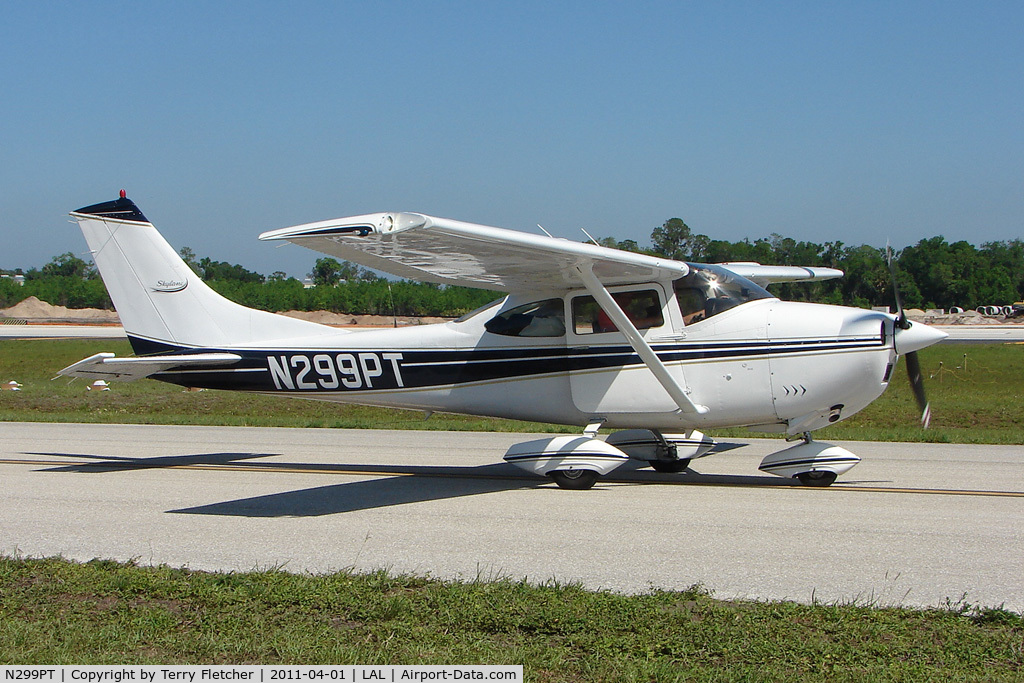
(607, 376)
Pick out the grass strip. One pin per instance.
(53, 611)
(974, 389)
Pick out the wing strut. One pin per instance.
(636, 340)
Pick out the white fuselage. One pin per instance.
(779, 365)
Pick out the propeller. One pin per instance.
(913, 364)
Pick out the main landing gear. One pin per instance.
(576, 462)
(572, 462)
(574, 480)
(670, 466)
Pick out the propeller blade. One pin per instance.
(917, 385)
(901, 317)
(913, 364)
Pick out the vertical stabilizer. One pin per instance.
(158, 297)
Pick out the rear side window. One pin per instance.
(643, 308)
(538, 319)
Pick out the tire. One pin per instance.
(574, 480)
(670, 466)
(817, 478)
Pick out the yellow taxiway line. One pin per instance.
(395, 471)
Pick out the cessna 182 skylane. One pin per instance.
(587, 336)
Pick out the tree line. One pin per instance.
(340, 287)
(930, 274)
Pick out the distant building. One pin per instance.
(18, 279)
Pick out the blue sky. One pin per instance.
(858, 122)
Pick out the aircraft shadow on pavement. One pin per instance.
(406, 483)
(113, 463)
(414, 484)
(419, 484)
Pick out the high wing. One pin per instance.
(445, 251)
(106, 366)
(767, 275)
(441, 250)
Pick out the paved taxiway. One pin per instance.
(62, 332)
(913, 524)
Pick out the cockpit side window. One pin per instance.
(643, 308)
(537, 319)
(708, 290)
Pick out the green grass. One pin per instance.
(101, 612)
(975, 391)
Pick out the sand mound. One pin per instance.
(965, 318)
(349, 320)
(35, 310)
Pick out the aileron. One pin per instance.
(767, 275)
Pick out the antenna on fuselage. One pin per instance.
(590, 237)
(394, 310)
(545, 231)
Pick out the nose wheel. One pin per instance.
(813, 463)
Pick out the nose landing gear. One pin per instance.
(814, 463)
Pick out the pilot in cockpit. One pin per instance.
(691, 304)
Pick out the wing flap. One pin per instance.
(445, 251)
(107, 366)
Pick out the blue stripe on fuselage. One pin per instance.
(310, 370)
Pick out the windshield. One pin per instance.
(477, 311)
(708, 290)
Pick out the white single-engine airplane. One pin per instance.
(587, 336)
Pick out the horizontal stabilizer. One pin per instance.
(767, 275)
(107, 366)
